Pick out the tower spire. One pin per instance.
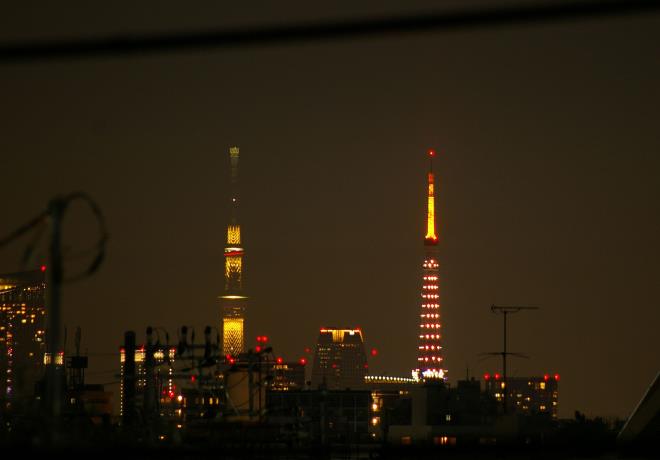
(431, 238)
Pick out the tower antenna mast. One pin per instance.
(505, 310)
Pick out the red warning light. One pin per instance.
(334, 366)
(171, 394)
(257, 349)
(557, 377)
(366, 366)
(374, 352)
(303, 361)
(232, 360)
(308, 350)
(193, 378)
(279, 360)
(486, 376)
(258, 338)
(431, 153)
(43, 268)
(264, 338)
(497, 376)
(546, 377)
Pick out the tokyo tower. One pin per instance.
(429, 355)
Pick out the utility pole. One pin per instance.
(54, 394)
(505, 311)
(150, 390)
(129, 382)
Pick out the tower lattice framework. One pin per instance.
(233, 301)
(429, 349)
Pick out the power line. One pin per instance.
(122, 45)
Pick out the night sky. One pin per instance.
(548, 185)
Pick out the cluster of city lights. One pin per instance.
(497, 376)
(387, 379)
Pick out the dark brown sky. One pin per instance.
(549, 190)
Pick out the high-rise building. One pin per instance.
(22, 336)
(163, 376)
(288, 376)
(340, 361)
(526, 395)
(233, 301)
(429, 354)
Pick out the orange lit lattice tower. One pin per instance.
(429, 356)
(233, 301)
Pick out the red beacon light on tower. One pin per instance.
(431, 153)
(486, 376)
(279, 360)
(374, 352)
(42, 268)
(497, 376)
(303, 361)
(557, 377)
(546, 377)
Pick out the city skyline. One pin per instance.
(547, 170)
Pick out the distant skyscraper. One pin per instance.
(233, 301)
(340, 361)
(22, 335)
(429, 355)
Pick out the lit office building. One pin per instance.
(526, 395)
(288, 376)
(340, 361)
(22, 336)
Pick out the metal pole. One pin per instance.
(250, 386)
(128, 411)
(505, 389)
(54, 285)
(150, 395)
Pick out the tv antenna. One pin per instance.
(505, 310)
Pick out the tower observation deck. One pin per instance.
(429, 355)
(233, 301)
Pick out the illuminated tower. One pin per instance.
(429, 356)
(233, 301)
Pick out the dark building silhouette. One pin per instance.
(326, 416)
(340, 361)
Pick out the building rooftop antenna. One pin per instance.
(505, 310)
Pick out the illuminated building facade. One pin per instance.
(233, 301)
(163, 377)
(340, 361)
(288, 376)
(526, 395)
(22, 336)
(429, 354)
